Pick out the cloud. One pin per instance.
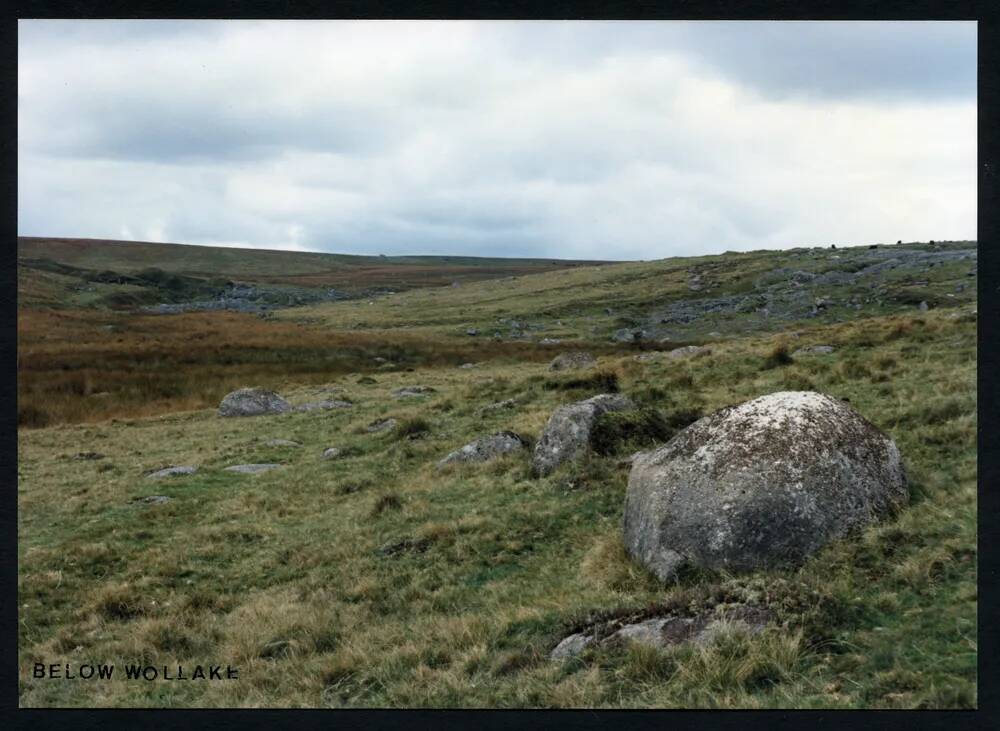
(577, 140)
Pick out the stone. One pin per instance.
(689, 351)
(324, 405)
(567, 434)
(549, 341)
(253, 402)
(380, 425)
(466, 366)
(252, 469)
(571, 646)
(472, 332)
(411, 391)
(281, 443)
(172, 472)
(486, 448)
(923, 307)
(331, 453)
(152, 500)
(760, 485)
(814, 350)
(572, 359)
(497, 406)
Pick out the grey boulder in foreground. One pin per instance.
(567, 433)
(486, 448)
(762, 484)
(253, 402)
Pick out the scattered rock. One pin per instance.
(253, 402)
(689, 351)
(486, 448)
(172, 472)
(324, 405)
(759, 485)
(567, 432)
(411, 391)
(572, 359)
(627, 335)
(923, 307)
(252, 469)
(472, 331)
(549, 341)
(281, 443)
(331, 453)
(469, 365)
(380, 425)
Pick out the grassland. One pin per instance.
(378, 580)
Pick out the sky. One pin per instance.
(569, 139)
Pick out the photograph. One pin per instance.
(496, 364)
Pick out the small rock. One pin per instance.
(88, 455)
(472, 332)
(411, 391)
(152, 500)
(466, 366)
(571, 646)
(380, 425)
(923, 307)
(281, 443)
(253, 402)
(486, 448)
(252, 469)
(172, 472)
(549, 341)
(814, 350)
(572, 359)
(331, 453)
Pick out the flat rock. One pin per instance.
(410, 391)
(172, 472)
(760, 485)
(380, 425)
(331, 453)
(572, 359)
(567, 433)
(486, 448)
(814, 350)
(253, 402)
(252, 469)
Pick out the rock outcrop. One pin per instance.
(571, 360)
(759, 485)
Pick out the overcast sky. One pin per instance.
(606, 140)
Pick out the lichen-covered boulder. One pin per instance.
(572, 359)
(759, 485)
(567, 432)
(253, 402)
(486, 448)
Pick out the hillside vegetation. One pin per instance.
(378, 580)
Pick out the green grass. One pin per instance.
(489, 566)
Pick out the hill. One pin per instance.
(375, 579)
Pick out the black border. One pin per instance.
(988, 15)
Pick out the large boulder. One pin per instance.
(759, 485)
(253, 402)
(486, 448)
(567, 432)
